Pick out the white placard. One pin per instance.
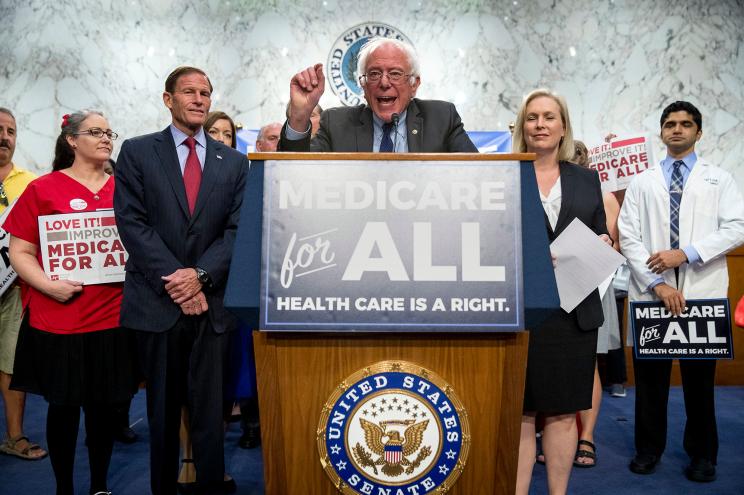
(620, 160)
(7, 274)
(84, 247)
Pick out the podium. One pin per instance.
(299, 369)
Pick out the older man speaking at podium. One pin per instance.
(393, 119)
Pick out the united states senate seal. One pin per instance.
(393, 428)
(342, 61)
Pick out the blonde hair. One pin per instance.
(566, 148)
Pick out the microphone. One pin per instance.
(395, 118)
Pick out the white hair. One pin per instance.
(376, 42)
(263, 130)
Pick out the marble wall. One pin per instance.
(617, 62)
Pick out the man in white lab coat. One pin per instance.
(677, 222)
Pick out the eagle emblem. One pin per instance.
(393, 451)
(393, 427)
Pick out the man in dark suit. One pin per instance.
(392, 121)
(177, 200)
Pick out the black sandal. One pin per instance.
(586, 454)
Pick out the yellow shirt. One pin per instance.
(15, 183)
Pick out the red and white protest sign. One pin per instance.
(620, 160)
(7, 274)
(82, 246)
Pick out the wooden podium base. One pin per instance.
(298, 372)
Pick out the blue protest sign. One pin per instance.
(404, 245)
(702, 331)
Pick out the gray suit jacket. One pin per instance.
(159, 234)
(433, 126)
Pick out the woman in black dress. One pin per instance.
(560, 362)
(74, 353)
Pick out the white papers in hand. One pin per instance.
(583, 262)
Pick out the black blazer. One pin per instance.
(581, 197)
(159, 234)
(432, 127)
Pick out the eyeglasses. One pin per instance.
(374, 76)
(97, 132)
(3, 195)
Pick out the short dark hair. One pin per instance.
(683, 106)
(172, 79)
(7, 112)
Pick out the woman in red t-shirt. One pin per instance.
(74, 353)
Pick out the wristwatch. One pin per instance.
(203, 277)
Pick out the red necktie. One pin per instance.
(192, 174)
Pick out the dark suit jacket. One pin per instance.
(432, 127)
(581, 197)
(159, 234)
